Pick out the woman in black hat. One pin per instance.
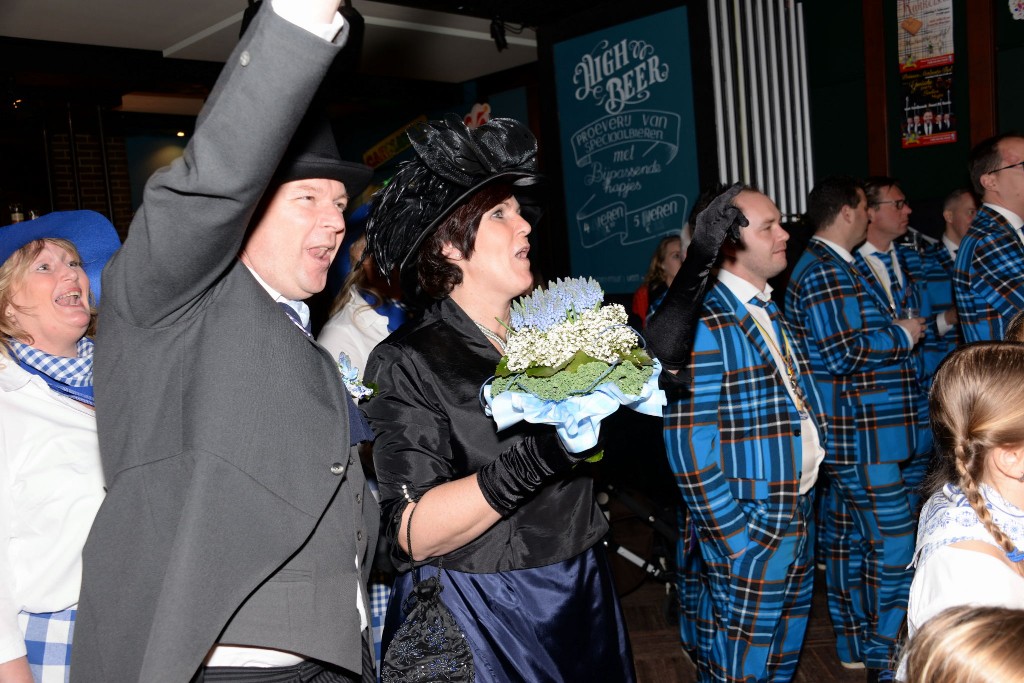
(51, 479)
(509, 514)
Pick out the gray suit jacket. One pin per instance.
(236, 507)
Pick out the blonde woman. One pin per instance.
(970, 546)
(51, 479)
(968, 645)
(665, 263)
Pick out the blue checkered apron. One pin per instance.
(48, 643)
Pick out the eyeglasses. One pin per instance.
(898, 203)
(1019, 163)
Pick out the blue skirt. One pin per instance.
(561, 622)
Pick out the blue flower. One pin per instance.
(350, 376)
(562, 299)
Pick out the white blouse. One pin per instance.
(956, 576)
(51, 486)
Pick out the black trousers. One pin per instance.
(304, 672)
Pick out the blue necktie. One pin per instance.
(784, 350)
(294, 316)
(773, 313)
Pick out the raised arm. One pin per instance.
(195, 212)
(670, 328)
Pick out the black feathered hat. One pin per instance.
(452, 163)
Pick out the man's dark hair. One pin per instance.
(828, 198)
(953, 196)
(438, 276)
(875, 185)
(985, 158)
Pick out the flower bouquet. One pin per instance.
(571, 361)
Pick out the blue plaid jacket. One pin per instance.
(930, 351)
(735, 440)
(988, 281)
(874, 384)
(938, 286)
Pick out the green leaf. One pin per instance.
(579, 359)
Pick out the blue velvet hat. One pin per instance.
(90, 232)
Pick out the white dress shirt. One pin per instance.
(810, 443)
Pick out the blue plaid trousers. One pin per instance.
(752, 614)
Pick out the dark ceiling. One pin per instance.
(531, 13)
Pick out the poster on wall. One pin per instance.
(629, 159)
(925, 42)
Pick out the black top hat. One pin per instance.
(452, 163)
(313, 153)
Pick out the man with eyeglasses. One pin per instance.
(896, 270)
(987, 280)
(864, 358)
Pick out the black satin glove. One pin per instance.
(670, 328)
(523, 468)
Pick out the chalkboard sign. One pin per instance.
(629, 159)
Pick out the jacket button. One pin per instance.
(337, 468)
(359, 499)
(244, 58)
(359, 535)
(796, 432)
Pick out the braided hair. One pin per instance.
(977, 404)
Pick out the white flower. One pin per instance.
(599, 332)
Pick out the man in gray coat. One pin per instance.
(236, 536)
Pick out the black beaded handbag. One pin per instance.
(430, 645)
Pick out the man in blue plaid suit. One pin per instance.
(958, 211)
(897, 271)
(745, 445)
(987, 280)
(864, 363)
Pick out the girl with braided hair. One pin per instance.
(970, 546)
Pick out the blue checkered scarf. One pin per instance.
(74, 372)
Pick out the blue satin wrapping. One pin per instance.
(560, 622)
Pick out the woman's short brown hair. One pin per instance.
(438, 276)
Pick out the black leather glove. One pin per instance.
(670, 328)
(523, 468)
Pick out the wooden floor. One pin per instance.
(655, 639)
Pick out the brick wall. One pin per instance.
(92, 185)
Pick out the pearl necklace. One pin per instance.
(492, 336)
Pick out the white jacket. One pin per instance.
(51, 485)
(355, 329)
